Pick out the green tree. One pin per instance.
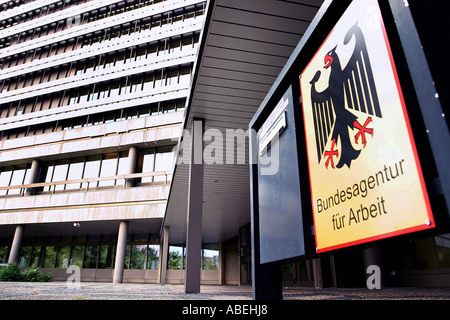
(174, 261)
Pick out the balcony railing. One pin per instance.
(52, 185)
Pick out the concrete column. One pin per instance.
(120, 252)
(132, 157)
(164, 255)
(33, 176)
(317, 267)
(194, 210)
(16, 245)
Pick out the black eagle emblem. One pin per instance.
(352, 86)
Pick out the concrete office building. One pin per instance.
(96, 170)
(92, 100)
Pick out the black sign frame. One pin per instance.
(425, 109)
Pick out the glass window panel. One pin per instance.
(185, 77)
(147, 82)
(107, 253)
(144, 112)
(25, 256)
(103, 90)
(172, 77)
(169, 106)
(180, 105)
(443, 250)
(91, 63)
(123, 168)
(155, 108)
(163, 162)
(77, 123)
(127, 256)
(175, 44)
(211, 257)
(48, 177)
(4, 254)
(91, 170)
(147, 166)
(109, 117)
(73, 98)
(132, 113)
(50, 257)
(177, 15)
(90, 258)
(175, 258)
(77, 254)
(17, 179)
(115, 86)
(5, 178)
(140, 53)
(98, 119)
(62, 259)
(83, 96)
(35, 257)
(75, 173)
(138, 256)
(135, 84)
(153, 49)
(27, 174)
(60, 174)
(153, 257)
(108, 168)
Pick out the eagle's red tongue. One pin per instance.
(328, 61)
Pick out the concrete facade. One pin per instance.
(90, 120)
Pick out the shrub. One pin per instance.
(13, 272)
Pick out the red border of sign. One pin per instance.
(413, 146)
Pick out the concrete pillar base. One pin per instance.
(120, 253)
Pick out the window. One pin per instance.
(17, 179)
(49, 177)
(50, 256)
(91, 170)
(123, 167)
(75, 173)
(106, 256)
(127, 257)
(164, 161)
(108, 168)
(20, 110)
(148, 82)
(172, 76)
(60, 173)
(35, 260)
(153, 257)
(115, 86)
(185, 76)
(107, 165)
(25, 255)
(13, 176)
(63, 257)
(4, 254)
(148, 165)
(138, 256)
(77, 256)
(175, 258)
(210, 255)
(5, 179)
(90, 256)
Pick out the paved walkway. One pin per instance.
(107, 291)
